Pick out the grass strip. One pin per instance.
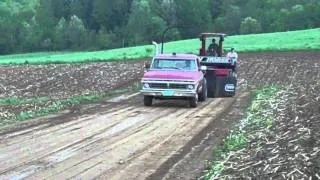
(13, 101)
(61, 104)
(256, 116)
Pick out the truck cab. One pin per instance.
(175, 76)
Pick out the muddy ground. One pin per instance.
(63, 80)
(121, 139)
(291, 148)
(54, 82)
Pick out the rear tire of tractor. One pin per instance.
(232, 80)
(230, 94)
(147, 100)
(193, 102)
(204, 94)
(219, 89)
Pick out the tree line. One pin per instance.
(66, 25)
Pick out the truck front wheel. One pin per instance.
(193, 102)
(148, 100)
(204, 94)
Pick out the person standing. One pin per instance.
(233, 56)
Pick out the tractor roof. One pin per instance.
(213, 34)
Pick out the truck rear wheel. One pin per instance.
(147, 100)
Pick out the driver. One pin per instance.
(213, 48)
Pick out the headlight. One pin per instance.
(190, 86)
(146, 85)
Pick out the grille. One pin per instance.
(178, 86)
(159, 85)
(165, 86)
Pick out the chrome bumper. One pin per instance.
(176, 93)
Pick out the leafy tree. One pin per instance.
(250, 26)
(313, 12)
(215, 8)
(61, 35)
(103, 39)
(166, 9)
(61, 8)
(111, 13)
(44, 25)
(193, 17)
(233, 19)
(298, 18)
(144, 30)
(45, 14)
(76, 33)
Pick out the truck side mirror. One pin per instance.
(147, 66)
(203, 68)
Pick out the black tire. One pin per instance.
(232, 80)
(230, 94)
(193, 102)
(216, 85)
(147, 100)
(211, 84)
(219, 89)
(204, 94)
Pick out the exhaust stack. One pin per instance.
(156, 45)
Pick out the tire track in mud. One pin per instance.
(43, 147)
(45, 130)
(62, 130)
(67, 130)
(200, 147)
(152, 131)
(171, 145)
(115, 143)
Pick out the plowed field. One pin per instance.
(119, 138)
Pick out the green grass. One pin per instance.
(59, 104)
(12, 101)
(256, 116)
(283, 41)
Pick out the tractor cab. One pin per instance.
(211, 51)
(220, 70)
(211, 44)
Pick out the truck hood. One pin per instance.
(173, 75)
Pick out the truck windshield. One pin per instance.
(180, 64)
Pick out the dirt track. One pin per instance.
(124, 137)
(124, 140)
